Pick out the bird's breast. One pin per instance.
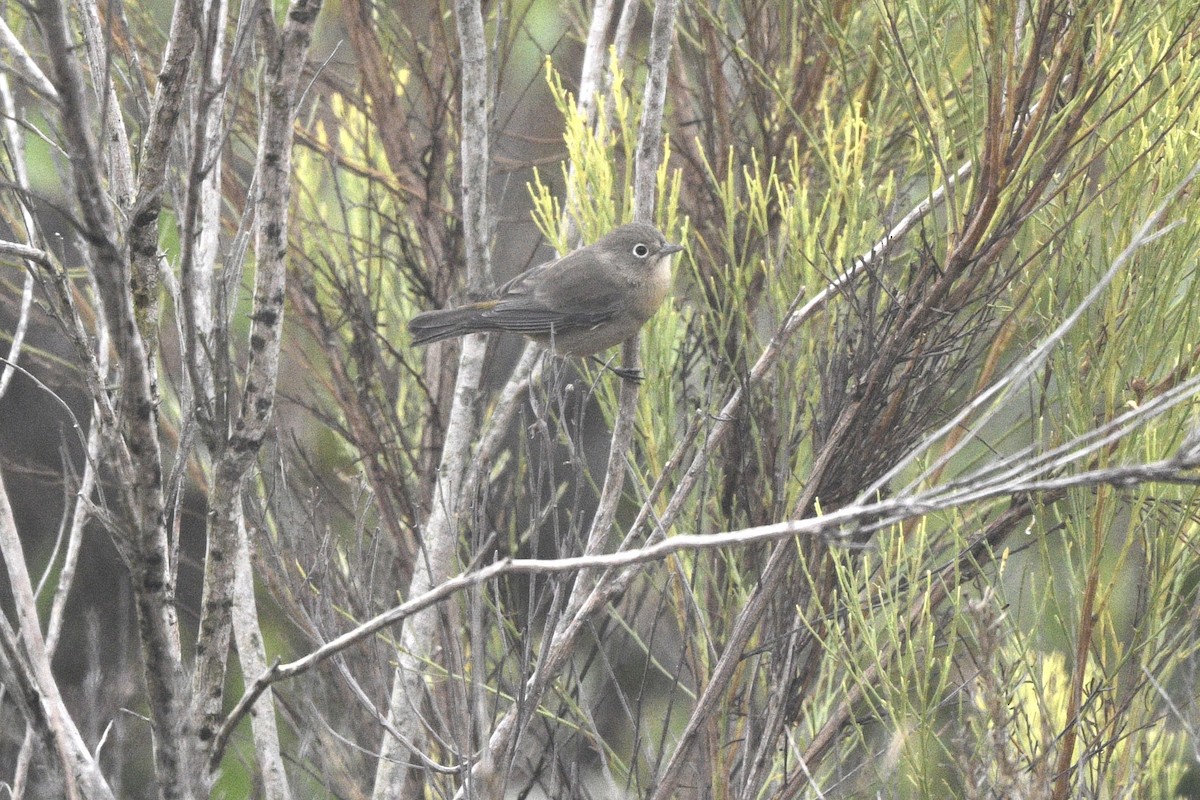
(657, 284)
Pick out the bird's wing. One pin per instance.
(571, 293)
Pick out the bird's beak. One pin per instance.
(669, 249)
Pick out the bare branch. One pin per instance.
(26, 68)
(284, 69)
(841, 524)
(24, 252)
(116, 140)
(649, 145)
(137, 453)
(146, 205)
(80, 771)
(440, 535)
(252, 658)
(16, 145)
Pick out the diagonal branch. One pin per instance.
(51, 720)
(842, 524)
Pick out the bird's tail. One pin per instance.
(446, 323)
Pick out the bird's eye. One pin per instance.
(640, 250)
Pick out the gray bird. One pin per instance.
(587, 301)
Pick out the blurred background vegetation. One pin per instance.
(998, 638)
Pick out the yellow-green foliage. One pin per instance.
(947, 704)
(954, 672)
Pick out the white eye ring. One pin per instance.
(640, 250)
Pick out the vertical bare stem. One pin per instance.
(286, 55)
(134, 448)
(490, 770)
(649, 145)
(440, 535)
(253, 660)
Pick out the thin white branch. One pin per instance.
(79, 519)
(590, 77)
(16, 148)
(25, 67)
(625, 26)
(116, 138)
(838, 525)
(591, 73)
(33, 255)
(18, 336)
(253, 660)
(201, 221)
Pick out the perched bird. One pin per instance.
(587, 301)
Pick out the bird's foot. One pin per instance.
(624, 373)
(628, 374)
